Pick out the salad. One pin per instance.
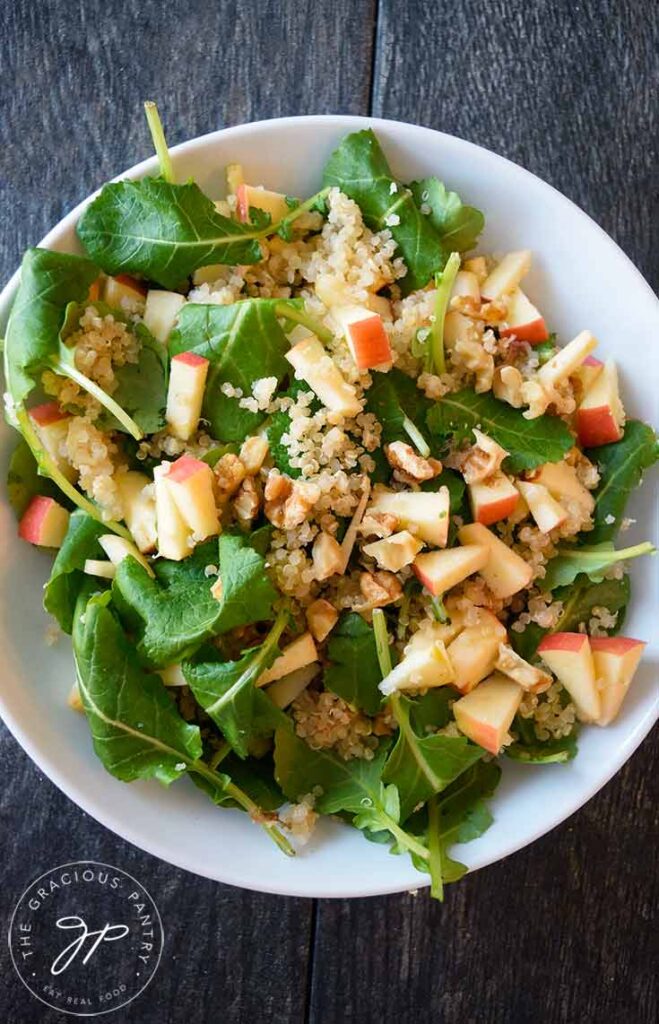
(335, 512)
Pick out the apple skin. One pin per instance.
(600, 416)
(524, 321)
(44, 523)
(368, 342)
(493, 499)
(616, 659)
(569, 657)
(46, 413)
(589, 371)
(486, 713)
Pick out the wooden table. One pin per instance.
(564, 931)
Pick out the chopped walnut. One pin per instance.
(413, 468)
(507, 386)
(247, 502)
(253, 453)
(537, 397)
(473, 357)
(495, 311)
(327, 556)
(288, 502)
(378, 524)
(229, 474)
(483, 458)
(379, 589)
(321, 619)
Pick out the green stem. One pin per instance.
(159, 141)
(90, 386)
(300, 316)
(645, 548)
(434, 850)
(438, 609)
(50, 469)
(222, 751)
(382, 641)
(404, 838)
(416, 437)
(256, 666)
(445, 284)
(286, 221)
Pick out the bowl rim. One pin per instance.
(110, 818)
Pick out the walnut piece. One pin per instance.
(327, 556)
(412, 467)
(507, 386)
(247, 502)
(321, 619)
(378, 524)
(379, 589)
(229, 474)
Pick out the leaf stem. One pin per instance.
(159, 141)
(404, 838)
(50, 469)
(300, 316)
(256, 666)
(297, 212)
(438, 609)
(222, 751)
(445, 283)
(93, 389)
(416, 437)
(434, 849)
(382, 641)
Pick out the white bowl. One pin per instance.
(580, 279)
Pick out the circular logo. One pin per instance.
(86, 938)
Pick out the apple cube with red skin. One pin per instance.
(438, 571)
(492, 499)
(174, 535)
(190, 482)
(161, 312)
(616, 659)
(569, 657)
(51, 424)
(122, 288)
(486, 713)
(523, 320)
(313, 364)
(504, 571)
(566, 360)
(273, 203)
(425, 514)
(601, 417)
(185, 394)
(474, 651)
(367, 339)
(546, 511)
(44, 523)
(589, 371)
(506, 275)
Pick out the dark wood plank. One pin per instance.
(567, 90)
(74, 77)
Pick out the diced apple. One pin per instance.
(466, 285)
(161, 312)
(327, 556)
(190, 482)
(474, 651)
(457, 327)
(273, 203)
(288, 688)
(546, 511)
(476, 265)
(99, 567)
(486, 714)
(569, 657)
(506, 275)
(44, 523)
(523, 320)
(122, 288)
(616, 659)
(51, 424)
(425, 514)
(566, 360)
(601, 416)
(295, 655)
(173, 676)
(118, 548)
(174, 534)
(394, 552)
(321, 618)
(314, 365)
(424, 665)
(504, 571)
(529, 677)
(367, 339)
(136, 494)
(589, 371)
(438, 571)
(562, 482)
(235, 178)
(492, 499)
(185, 394)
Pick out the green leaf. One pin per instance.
(621, 467)
(530, 750)
(392, 398)
(529, 442)
(67, 575)
(421, 765)
(243, 342)
(360, 170)
(593, 561)
(137, 731)
(458, 226)
(162, 231)
(256, 777)
(228, 693)
(354, 672)
(279, 424)
(49, 281)
(142, 387)
(174, 613)
(23, 480)
(579, 599)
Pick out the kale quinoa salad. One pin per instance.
(336, 514)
